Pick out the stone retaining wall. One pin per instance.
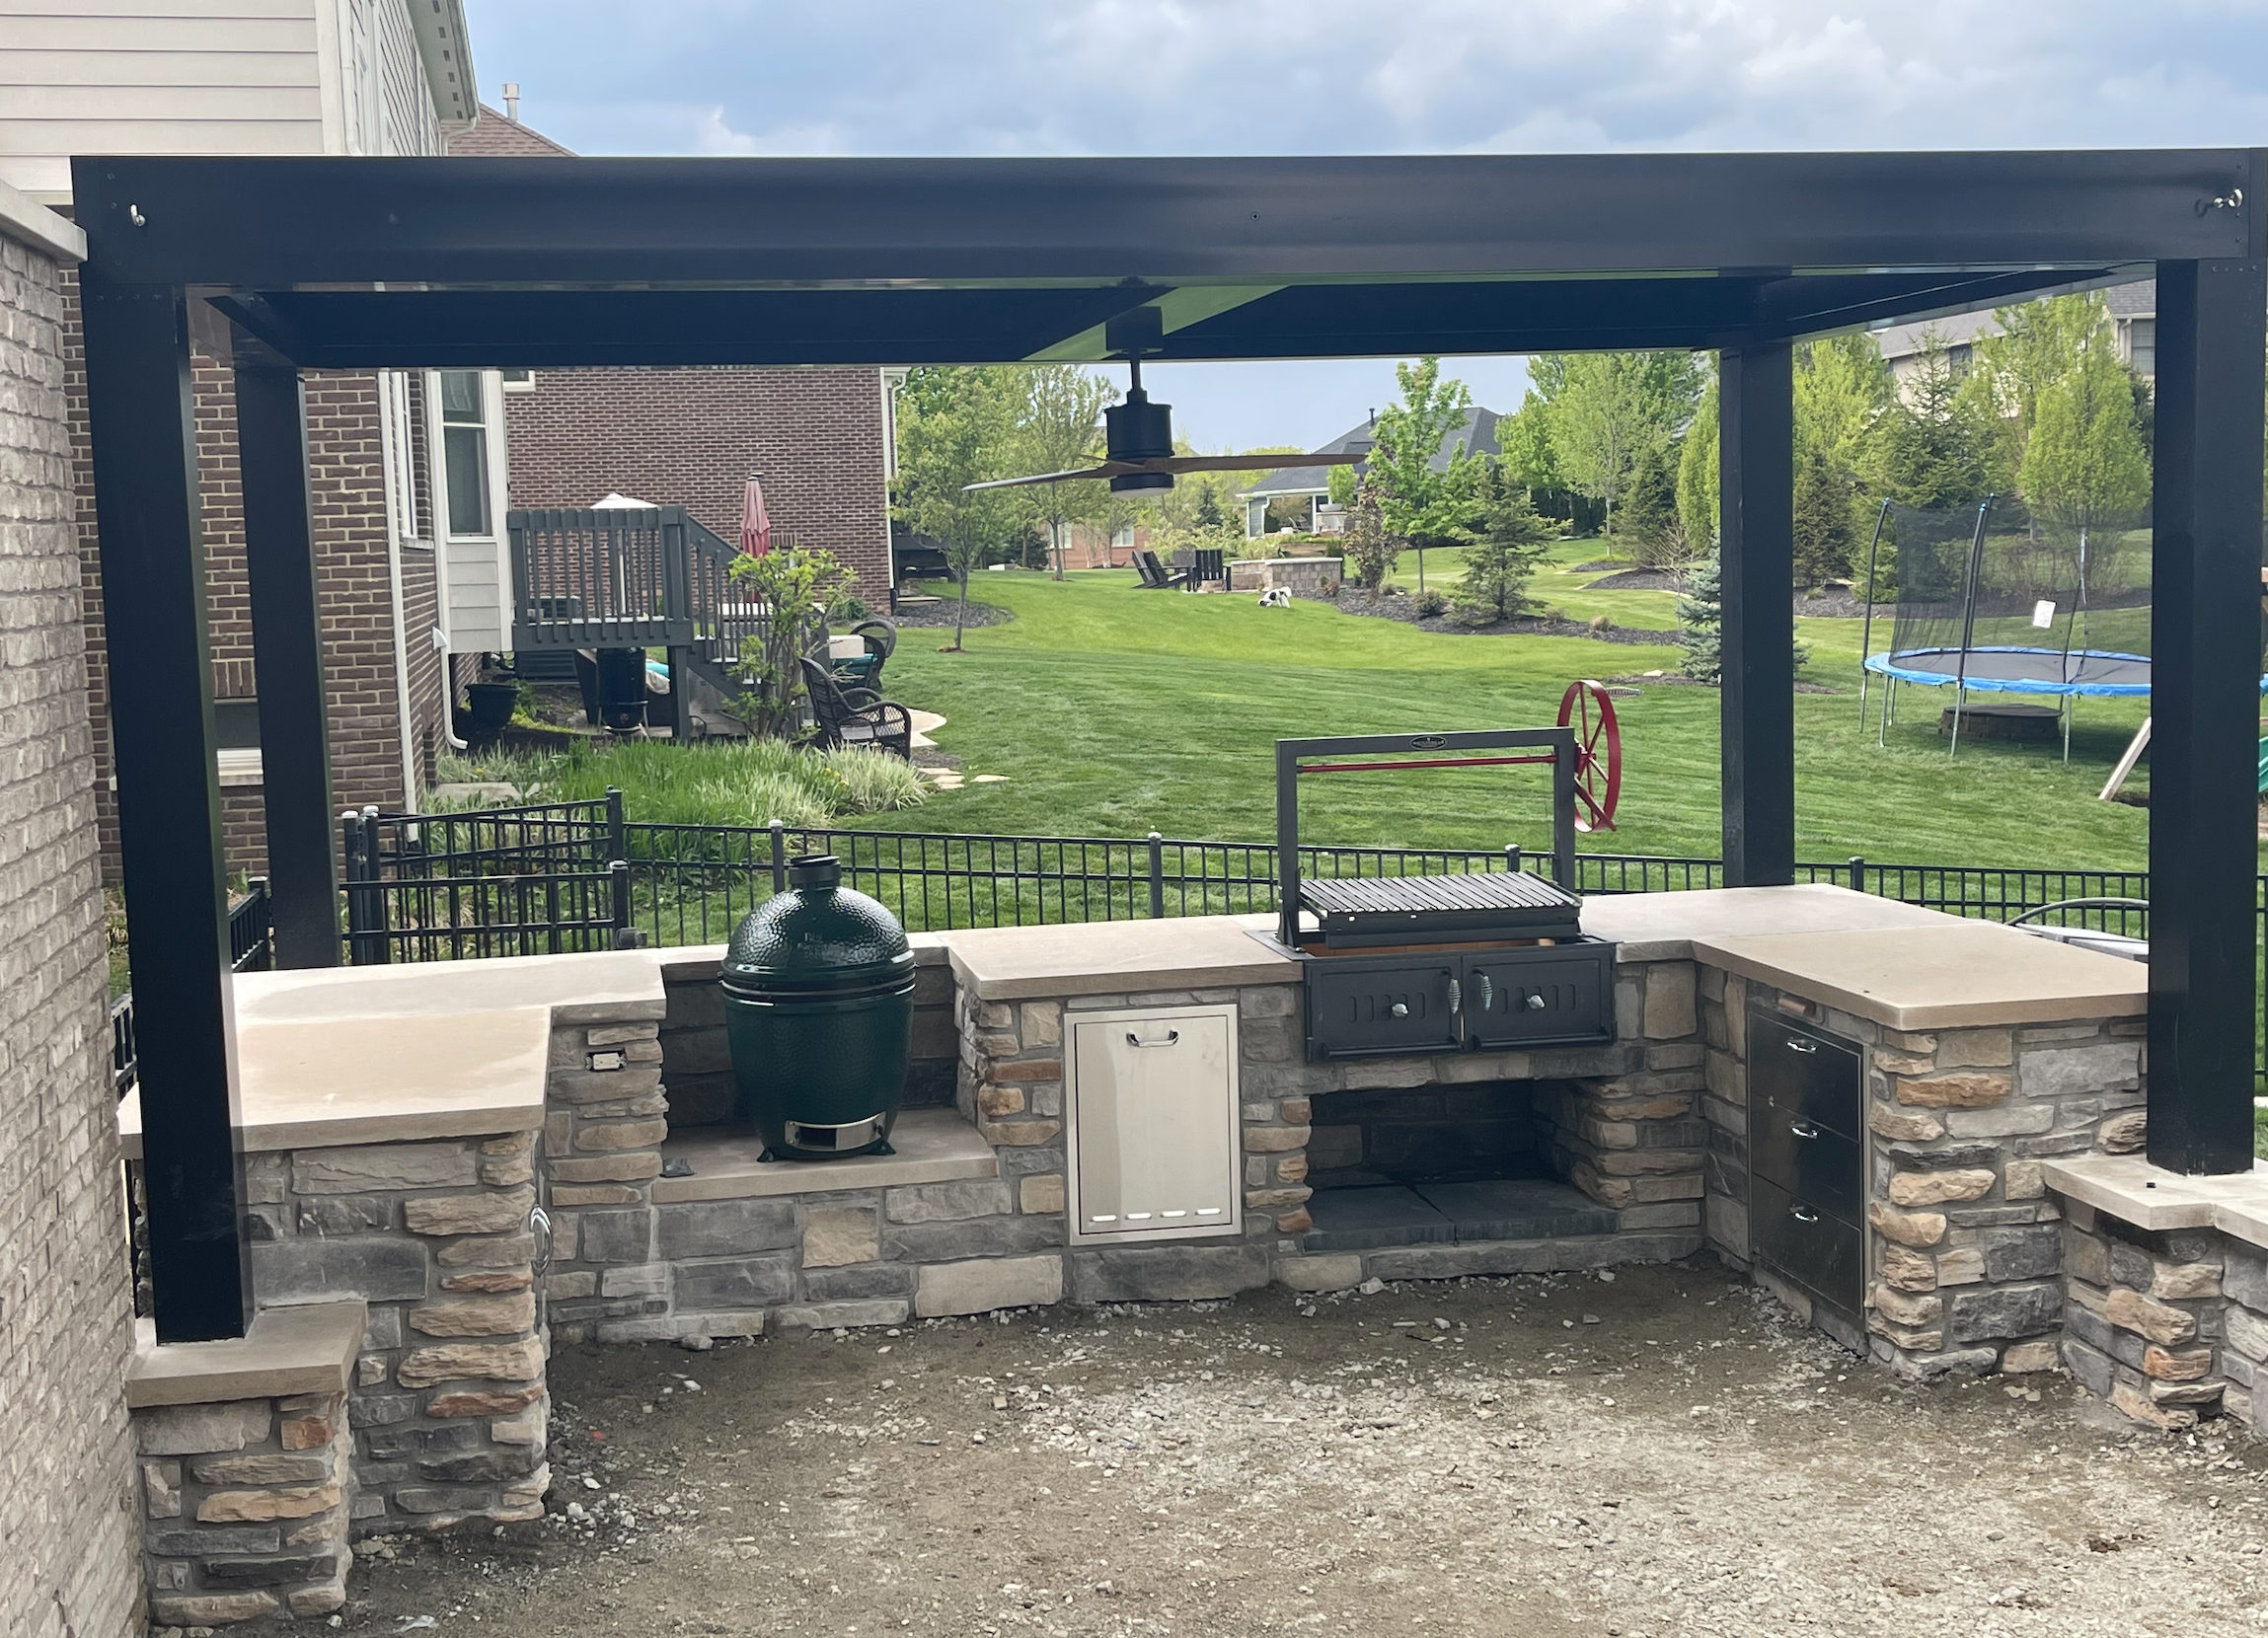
(1966, 1252)
(2157, 1323)
(447, 1407)
(246, 1507)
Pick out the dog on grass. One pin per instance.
(1279, 597)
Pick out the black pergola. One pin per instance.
(346, 264)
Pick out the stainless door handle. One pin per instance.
(1134, 1040)
(1400, 1010)
(1487, 993)
(1536, 1001)
(1801, 1129)
(1456, 997)
(1803, 1213)
(1798, 1044)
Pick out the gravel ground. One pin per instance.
(1661, 1452)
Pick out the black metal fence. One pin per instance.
(538, 880)
(250, 950)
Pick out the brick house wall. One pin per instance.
(69, 1557)
(353, 590)
(691, 436)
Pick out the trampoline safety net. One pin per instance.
(1996, 599)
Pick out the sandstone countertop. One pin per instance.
(1094, 958)
(437, 1049)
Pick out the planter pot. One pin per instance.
(492, 709)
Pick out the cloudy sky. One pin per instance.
(794, 77)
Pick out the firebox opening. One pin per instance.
(1438, 1164)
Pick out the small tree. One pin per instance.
(1700, 624)
(1824, 537)
(1059, 428)
(1697, 476)
(1512, 543)
(2085, 460)
(794, 586)
(1648, 521)
(1370, 551)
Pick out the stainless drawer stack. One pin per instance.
(1807, 1166)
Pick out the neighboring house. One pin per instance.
(284, 77)
(413, 472)
(1309, 487)
(2133, 310)
(819, 439)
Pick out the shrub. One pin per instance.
(1431, 603)
(874, 780)
(1601, 626)
(1499, 565)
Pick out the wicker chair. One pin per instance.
(881, 640)
(856, 716)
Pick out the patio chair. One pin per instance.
(866, 670)
(1155, 576)
(1206, 567)
(856, 715)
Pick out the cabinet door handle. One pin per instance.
(1536, 1001)
(1800, 1044)
(1456, 997)
(1803, 1213)
(1802, 1129)
(1487, 993)
(1134, 1040)
(1400, 1010)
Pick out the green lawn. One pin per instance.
(1113, 712)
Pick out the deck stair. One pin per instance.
(633, 577)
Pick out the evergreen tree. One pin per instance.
(1370, 551)
(1512, 543)
(1209, 514)
(1824, 536)
(1648, 522)
(1701, 622)
(1934, 454)
(1697, 476)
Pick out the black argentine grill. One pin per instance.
(1450, 963)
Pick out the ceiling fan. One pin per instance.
(1138, 435)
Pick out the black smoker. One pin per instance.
(1452, 963)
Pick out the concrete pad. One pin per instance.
(287, 1351)
(933, 1146)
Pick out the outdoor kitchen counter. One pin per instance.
(358, 1055)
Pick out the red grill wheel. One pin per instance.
(1587, 709)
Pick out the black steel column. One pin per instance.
(162, 750)
(287, 659)
(1756, 555)
(2205, 644)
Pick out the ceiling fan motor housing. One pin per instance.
(1139, 430)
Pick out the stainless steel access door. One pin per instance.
(1155, 1145)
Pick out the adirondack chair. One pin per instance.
(856, 716)
(1206, 567)
(1155, 576)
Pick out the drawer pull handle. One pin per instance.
(1803, 1213)
(1400, 1010)
(1134, 1040)
(1456, 997)
(1535, 1003)
(1802, 1129)
(1800, 1044)
(1487, 993)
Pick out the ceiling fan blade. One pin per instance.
(1249, 462)
(1109, 469)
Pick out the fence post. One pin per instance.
(1157, 876)
(613, 827)
(779, 856)
(1512, 856)
(1858, 873)
(618, 882)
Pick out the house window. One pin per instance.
(465, 452)
(517, 381)
(2142, 345)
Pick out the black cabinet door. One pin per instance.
(1383, 1009)
(1809, 1245)
(1540, 997)
(1804, 1074)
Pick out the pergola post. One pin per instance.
(164, 754)
(1755, 556)
(287, 660)
(2205, 653)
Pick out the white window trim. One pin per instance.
(499, 492)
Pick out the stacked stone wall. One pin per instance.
(2169, 1325)
(1965, 1243)
(246, 1507)
(67, 1542)
(447, 1407)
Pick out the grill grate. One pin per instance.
(1498, 894)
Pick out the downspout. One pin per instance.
(390, 454)
(431, 433)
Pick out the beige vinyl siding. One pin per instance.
(154, 77)
(411, 126)
(476, 597)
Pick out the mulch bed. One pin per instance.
(934, 615)
(1403, 607)
(1677, 679)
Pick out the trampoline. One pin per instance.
(1993, 600)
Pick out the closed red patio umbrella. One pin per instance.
(755, 522)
